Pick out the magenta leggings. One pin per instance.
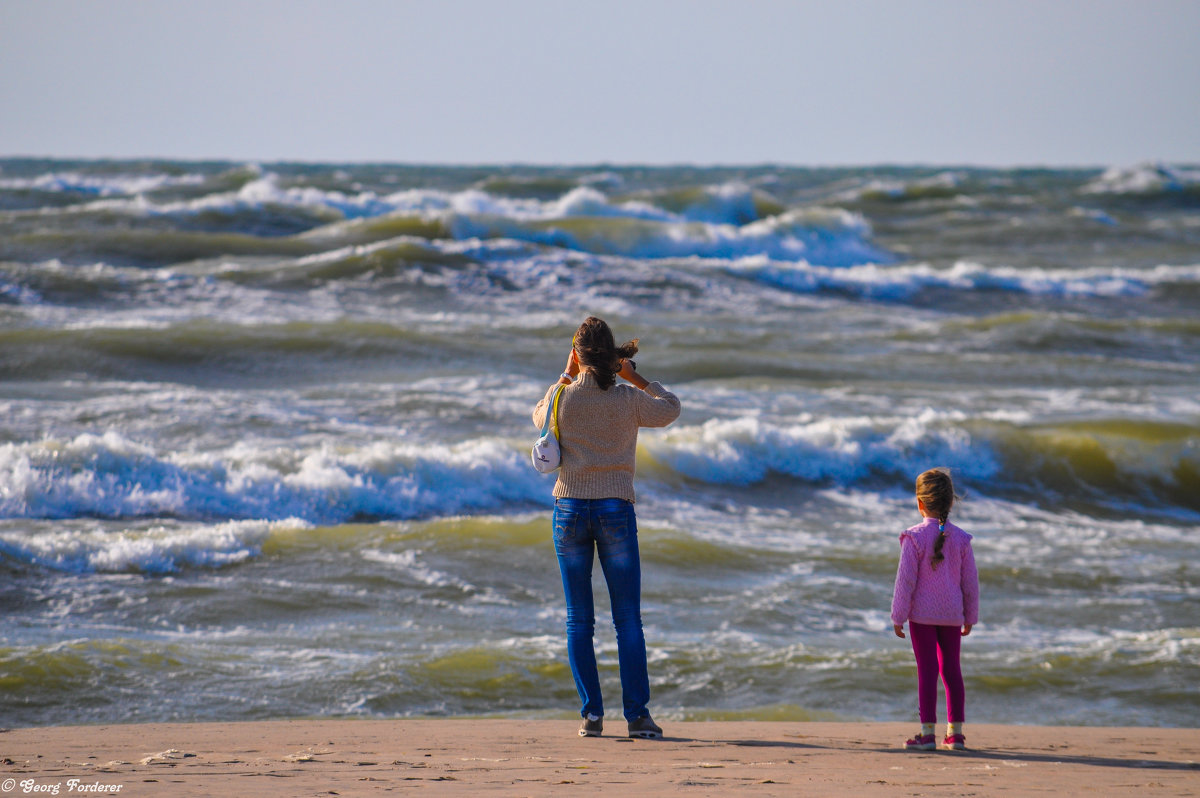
(936, 648)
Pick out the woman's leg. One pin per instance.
(925, 648)
(949, 646)
(574, 546)
(617, 544)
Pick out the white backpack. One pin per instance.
(546, 455)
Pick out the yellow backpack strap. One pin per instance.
(554, 411)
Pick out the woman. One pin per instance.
(598, 423)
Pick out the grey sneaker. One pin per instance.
(592, 728)
(646, 728)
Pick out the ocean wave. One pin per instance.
(110, 476)
(880, 281)
(1115, 462)
(1164, 655)
(267, 191)
(406, 561)
(726, 203)
(159, 550)
(586, 221)
(528, 187)
(99, 185)
(722, 221)
(828, 237)
(943, 185)
(122, 345)
(251, 204)
(1118, 463)
(720, 205)
(116, 245)
(843, 451)
(1145, 180)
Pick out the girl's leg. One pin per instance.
(925, 647)
(949, 646)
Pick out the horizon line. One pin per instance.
(585, 164)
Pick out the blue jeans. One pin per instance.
(607, 526)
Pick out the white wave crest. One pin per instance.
(158, 550)
(407, 562)
(898, 282)
(98, 185)
(745, 450)
(1146, 178)
(829, 237)
(110, 476)
(267, 191)
(940, 184)
(721, 223)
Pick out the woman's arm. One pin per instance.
(656, 406)
(543, 407)
(566, 378)
(630, 375)
(571, 371)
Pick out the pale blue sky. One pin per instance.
(1026, 82)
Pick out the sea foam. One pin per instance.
(722, 221)
(110, 476)
(98, 185)
(902, 281)
(159, 550)
(1144, 179)
(843, 451)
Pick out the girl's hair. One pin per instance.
(596, 350)
(935, 490)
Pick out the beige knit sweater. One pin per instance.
(597, 432)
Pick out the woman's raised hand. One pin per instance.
(627, 373)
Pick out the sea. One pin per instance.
(265, 433)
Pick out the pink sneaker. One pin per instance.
(955, 742)
(921, 742)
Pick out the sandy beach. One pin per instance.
(540, 757)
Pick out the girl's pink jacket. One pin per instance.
(944, 596)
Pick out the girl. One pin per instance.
(598, 423)
(937, 593)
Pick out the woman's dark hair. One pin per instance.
(596, 349)
(935, 490)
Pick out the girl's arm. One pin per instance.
(969, 582)
(906, 583)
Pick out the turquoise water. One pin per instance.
(264, 443)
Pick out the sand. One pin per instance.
(546, 757)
